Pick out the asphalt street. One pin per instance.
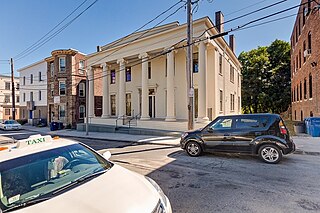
(220, 182)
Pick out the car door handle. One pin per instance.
(228, 137)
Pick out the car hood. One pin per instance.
(117, 190)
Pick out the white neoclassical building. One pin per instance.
(138, 79)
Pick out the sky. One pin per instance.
(24, 22)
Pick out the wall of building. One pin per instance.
(7, 92)
(309, 104)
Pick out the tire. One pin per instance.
(270, 153)
(193, 149)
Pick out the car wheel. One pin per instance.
(193, 149)
(270, 154)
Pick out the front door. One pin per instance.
(218, 135)
(152, 103)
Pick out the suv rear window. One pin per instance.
(248, 123)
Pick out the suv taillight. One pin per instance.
(283, 129)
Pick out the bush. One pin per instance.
(22, 121)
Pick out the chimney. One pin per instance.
(98, 49)
(232, 43)
(219, 21)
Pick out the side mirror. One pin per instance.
(107, 155)
(210, 130)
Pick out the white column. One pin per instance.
(122, 88)
(105, 91)
(144, 88)
(91, 93)
(170, 87)
(202, 84)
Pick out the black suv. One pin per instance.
(258, 134)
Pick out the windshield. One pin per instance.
(38, 175)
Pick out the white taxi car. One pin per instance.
(45, 174)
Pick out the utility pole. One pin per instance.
(87, 103)
(190, 89)
(13, 92)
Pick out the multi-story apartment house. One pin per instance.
(66, 86)
(140, 76)
(33, 90)
(6, 97)
(305, 61)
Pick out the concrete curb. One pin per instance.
(108, 139)
(301, 152)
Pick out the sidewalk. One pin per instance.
(304, 144)
(143, 139)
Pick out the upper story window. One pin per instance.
(220, 64)
(52, 68)
(24, 97)
(299, 26)
(81, 67)
(310, 85)
(304, 16)
(17, 99)
(195, 63)
(231, 73)
(309, 42)
(7, 85)
(62, 88)
(31, 78)
(40, 78)
(18, 86)
(304, 52)
(40, 95)
(81, 90)
(113, 77)
(52, 89)
(31, 96)
(128, 74)
(7, 98)
(24, 80)
(305, 88)
(149, 70)
(62, 64)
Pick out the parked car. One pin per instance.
(264, 135)
(10, 125)
(45, 174)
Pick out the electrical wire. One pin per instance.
(249, 6)
(34, 44)
(36, 47)
(199, 40)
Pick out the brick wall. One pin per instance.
(302, 69)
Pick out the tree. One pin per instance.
(266, 78)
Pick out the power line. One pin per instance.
(249, 6)
(34, 44)
(147, 31)
(55, 33)
(199, 40)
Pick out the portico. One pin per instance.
(144, 78)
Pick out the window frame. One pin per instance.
(82, 84)
(62, 68)
(65, 88)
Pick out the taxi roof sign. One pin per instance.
(34, 140)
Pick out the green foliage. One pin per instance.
(266, 85)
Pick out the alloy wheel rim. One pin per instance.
(193, 149)
(270, 154)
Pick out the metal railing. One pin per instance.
(127, 120)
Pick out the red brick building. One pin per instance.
(66, 78)
(305, 62)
